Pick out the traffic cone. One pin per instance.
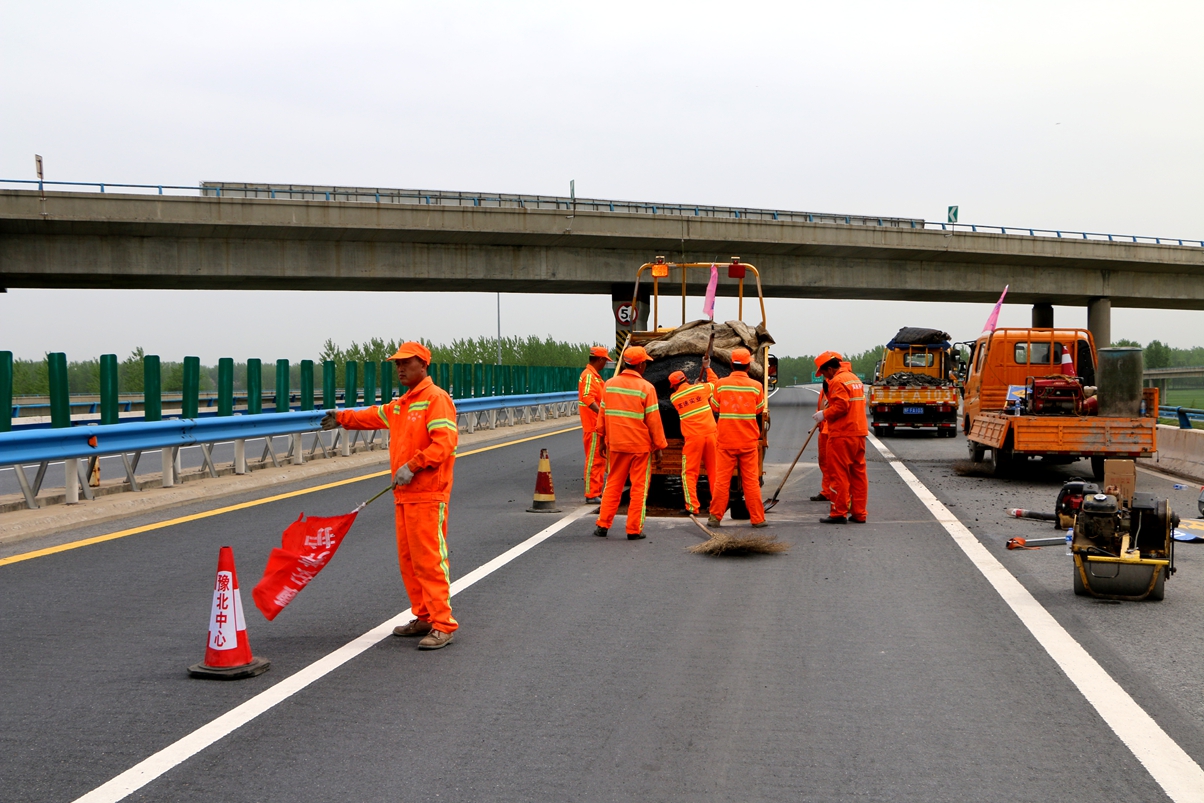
(1067, 364)
(545, 494)
(227, 653)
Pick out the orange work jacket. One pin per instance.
(738, 400)
(693, 405)
(589, 391)
(422, 435)
(846, 406)
(631, 418)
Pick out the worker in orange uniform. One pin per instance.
(740, 402)
(631, 424)
(589, 404)
(422, 453)
(846, 484)
(693, 405)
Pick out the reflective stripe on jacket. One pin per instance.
(738, 400)
(631, 418)
(846, 406)
(422, 434)
(693, 405)
(589, 391)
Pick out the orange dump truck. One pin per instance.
(914, 384)
(1033, 393)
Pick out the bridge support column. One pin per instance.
(1043, 315)
(1099, 321)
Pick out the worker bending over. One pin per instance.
(740, 402)
(631, 425)
(846, 484)
(589, 404)
(422, 453)
(693, 405)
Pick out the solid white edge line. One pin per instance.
(176, 753)
(1171, 767)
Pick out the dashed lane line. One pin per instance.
(174, 754)
(1171, 767)
(38, 553)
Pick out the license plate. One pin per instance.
(913, 410)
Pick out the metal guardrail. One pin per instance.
(378, 195)
(92, 441)
(1185, 415)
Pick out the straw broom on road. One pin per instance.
(720, 544)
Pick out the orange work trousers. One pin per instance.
(726, 464)
(422, 555)
(845, 481)
(595, 464)
(698, 452)
(619, 466)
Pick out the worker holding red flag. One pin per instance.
(845, 482)
(422, 453)
(693, 405)
(740, 402)
(589, 404)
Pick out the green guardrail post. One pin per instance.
(152, 388)
(351, 387)
(478, 379)
(307, 384)
(6, 391)
(387, 375)
(225, 386)
(330, 374)
(192, 387)
(108, 389)
(282, 388)
(60, 393)
(254, 386)
(369, 382)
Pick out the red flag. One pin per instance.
(708, 306)
(994, 317)
(308, 545)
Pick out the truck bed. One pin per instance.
(1084, 436)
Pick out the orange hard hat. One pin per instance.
(676, 378)
(826, 358)
(741, 357)
(411, 348)
(599, 351)
(634, 355)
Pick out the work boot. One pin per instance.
(832, 520)
(712, 520)
(435, 640)
(856, 521)
(600, 531)
(593, 500)
(635, 536)
(761, 524)
(416, 627)
(819, 497)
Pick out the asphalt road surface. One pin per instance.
(872, 662)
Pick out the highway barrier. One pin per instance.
(73, 444)
(1181, 451)
(1185, 415)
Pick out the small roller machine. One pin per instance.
(1120, 552)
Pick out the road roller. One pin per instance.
(1123, 551)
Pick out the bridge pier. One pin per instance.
(1099, 321)
(1043, 315)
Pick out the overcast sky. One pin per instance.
(1054, 115)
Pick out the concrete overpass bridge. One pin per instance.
(284, 237)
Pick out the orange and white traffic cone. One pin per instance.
(545, 493)
(227, 653)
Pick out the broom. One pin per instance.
(720, 544)
(773, 500)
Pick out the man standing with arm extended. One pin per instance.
(631, 423)
(589, 404)
(422, 453)
(693, 405)
(740, 402)
(846, 484)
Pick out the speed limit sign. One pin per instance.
(625, 314)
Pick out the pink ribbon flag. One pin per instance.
(708, 306)
(989, 326)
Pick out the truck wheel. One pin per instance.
(879, 430)
(977, 452)
(1097, 468)
(1001, 460)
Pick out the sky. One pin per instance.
(1080, 116)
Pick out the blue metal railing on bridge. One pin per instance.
(379, 195)
(1185, 415)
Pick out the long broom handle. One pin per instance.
(373, 499)
(782, 484)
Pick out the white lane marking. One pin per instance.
(1174, 770)
(151, 768)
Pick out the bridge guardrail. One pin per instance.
(1185, 415)
(92, 441)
